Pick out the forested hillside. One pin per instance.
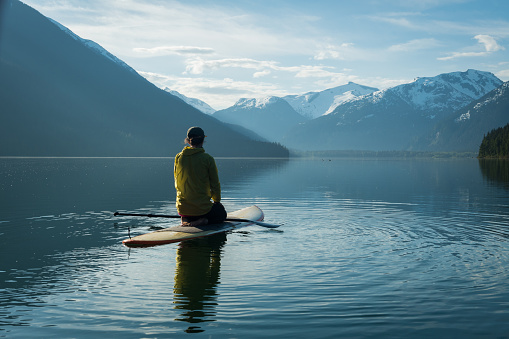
(495, 144)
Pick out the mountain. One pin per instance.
(433, 96)
(94, 46)
(315, 104)
(202, 106)
(61, 95)
(269, 117)
(465, 128)
(392, 119)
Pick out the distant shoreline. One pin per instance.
(382, 154)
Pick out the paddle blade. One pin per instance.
(264, 224)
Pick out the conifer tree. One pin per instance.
(495, 144)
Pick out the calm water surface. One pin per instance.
(373, 248)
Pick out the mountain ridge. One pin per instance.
(60, 97)
(465, 128)
(93, 45)
(315, 104)
(270, 117)
(458, 87)
(391, 119)
(200, 105)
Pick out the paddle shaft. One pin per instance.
(264, 224)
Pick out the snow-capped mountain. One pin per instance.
(259, 103)
(93, 45)
(196, 103)
(464, 129)
(446, 92)
(315, 104)
(269, 117)
(394, 118)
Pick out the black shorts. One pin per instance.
(216, 215)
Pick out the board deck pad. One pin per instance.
(180, 233)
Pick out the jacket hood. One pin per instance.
(191, 150)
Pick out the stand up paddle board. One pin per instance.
(181, 233)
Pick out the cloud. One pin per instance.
(423, 20)
(218, 93)
(503, 75)
(315, 72)
(169, 50)
(263, 67)
(397, 19)
(261, 74)
(414, 45)
(336, 52)
(456, 55)
(403, 22)
(489, 44)
(133, 28)
(199, 65)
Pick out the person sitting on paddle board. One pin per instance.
(197, 182)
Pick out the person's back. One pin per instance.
(197, 182)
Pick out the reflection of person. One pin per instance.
(197, 182)
(196, 279)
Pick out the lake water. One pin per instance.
(368, 248)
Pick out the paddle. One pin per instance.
(264, 224)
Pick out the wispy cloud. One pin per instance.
(261, 74)
(415, 45)
(503, 74)
(343, 51)
(400, 19)
(199, 65)
(178, 50)
(488, 43)
(314, 72)
(153, 27)
(421, 21)
(403, 22)
(219, 93)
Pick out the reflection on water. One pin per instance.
(196, 279)
(495, 170)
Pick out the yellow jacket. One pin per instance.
(196, 181)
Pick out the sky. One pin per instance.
(220, 51)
